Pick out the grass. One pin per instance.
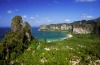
(82, 49)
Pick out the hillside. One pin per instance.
(18, 47)
(15, 41)
(82, 49)
(77, 27)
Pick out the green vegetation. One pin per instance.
(16, 18)
(91, 26)
(19, 47)
(11, 46)
(16, 24)
(16, 41)
(82, 49)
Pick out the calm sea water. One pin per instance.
(3, 31)
(39, 34)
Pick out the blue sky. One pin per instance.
(39, 12)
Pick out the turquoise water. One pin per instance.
(50, 36)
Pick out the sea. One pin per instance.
(41, 35)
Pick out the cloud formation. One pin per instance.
(9, 11)
(24, 16)
(46, 20)
(67, 20)
(16, 10)
(12, 11)
(85, 16)
(32, 18)
(85, 0)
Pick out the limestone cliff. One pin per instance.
(77, 27)
(18, 26)
(15, 41)
(89, 26)
(82, 27)
(27, 30)
(55, 27)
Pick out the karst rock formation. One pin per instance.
(24, 29)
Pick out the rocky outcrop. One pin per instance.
(77, 27)
(27, 31)
(55, 27)
(18, 26)
(89, 26)
(82, 27)
(97, 26)
(15, 41)
(81, 31)
(42, 27)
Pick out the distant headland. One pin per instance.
(77, 27)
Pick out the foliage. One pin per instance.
(91, 25)
(16, 41)
(27, 31)
(16, 25)
(11, 46)
(17, 18)
(83, 48)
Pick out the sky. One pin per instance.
(43, 12)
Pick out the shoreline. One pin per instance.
(68, 36)
(61, 39)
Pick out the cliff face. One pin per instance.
(55, 27)
(89, 26)
(77, 27)
(80, 31)
(82, 27)
(27, 31)
(97, 26)
(15, 41)
(18, 26)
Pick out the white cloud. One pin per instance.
(47, 20)
(24, 16)
(37, 21)
(32, 17)
(34, 20)
(16, 10)
(85, 16)
(89, 16)
(9, 11)
(12, 11)
(67, 20)
(85, 0)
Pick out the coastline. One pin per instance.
(68, 36)
(61, 39)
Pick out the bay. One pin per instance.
(41, 35)
(48, 35)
